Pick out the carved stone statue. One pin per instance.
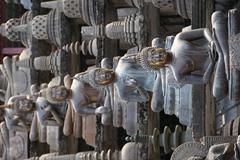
(190, 58)
(92, 81)
(133, 82)
(18, 113)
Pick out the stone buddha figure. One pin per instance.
(18, 113)
(85, 82)
(190, 58)
(47, 112)
(133, 82)
(92, 81)
(82, 104)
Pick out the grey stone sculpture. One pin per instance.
(133, 82)
(184, 58)
(18, 113)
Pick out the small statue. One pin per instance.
(18, 113)
(133, 82)
(92, 81)
(82, 104)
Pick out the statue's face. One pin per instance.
(157, 57)
(59, 93)
(104, 76)
(25, 105)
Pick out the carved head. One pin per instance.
(153, 58)
(57, 94)
(104, 76)
(97, 77)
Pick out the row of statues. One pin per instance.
(161, 74)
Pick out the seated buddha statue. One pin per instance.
(94, 81)
(133, 82)
(190, 57)
(18, 113)
(82, 83)
(79, 104)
